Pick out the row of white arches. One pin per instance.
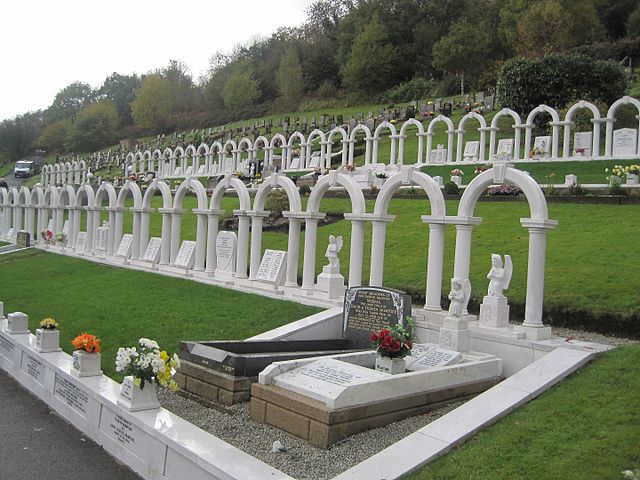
(33, 210)
(219, 159)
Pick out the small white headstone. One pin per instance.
(81, 242)
(582, 144)
(226, 251)
(271, 269)
(295, 163)
(201, 169)
(505, 148)
(50, 224)
(124, 249)
(189, 170)
(434, 358)
(314, 161)
(625, 142)
(101, 238)
(186, 257)
(176, 172)
(439, 155)
(471, 151)
(152, 253)
(65, 228)
(541, 147)
(11, 233)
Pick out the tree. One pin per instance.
(95, 127)
(372, 65)
(463, 50)
(289, 78)
(54, 136)
(121, 90)
(152, 107)
(633, 24)
(69, 101)
(240, 90)
(18, 134)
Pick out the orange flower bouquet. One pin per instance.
(87, 342)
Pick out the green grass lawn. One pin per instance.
(587, 427)
(120, 305)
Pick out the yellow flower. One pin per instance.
(136, 381)
(164, 356)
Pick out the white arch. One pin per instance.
(482, 130)
(289, 148)
(568, 121)
(352, 143)
(450, 131)
(626, 100)
(555, 124)
(345, 145)
(517, 126)
(317, 133)
(376, 142)
(403, 138)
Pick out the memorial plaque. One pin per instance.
(102, 234)
(625, 142)
(124, 249)
(6, 347)
(271, 267)
(185, 257)
(471, 150)
(582, 142)
(541, 147)
(434, 358)
(438, 156)
(10, 233)
(121, 430)
(33, 367)
(505, 148)
(71, 395)
(50, 224)
(226, 251)
(152, 253)
(23, 239)
(65, 228)
(81, 242)
(372, 308)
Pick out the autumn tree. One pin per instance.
(240, 90)
(53, 137)
(95, 127)
(289, 78)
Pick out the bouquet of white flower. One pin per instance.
(148, 364)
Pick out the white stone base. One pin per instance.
(331, 283)
(136, 399)
(536, 333)
(47, 341)
(85, 364)
(455, 334)
(494, 312)
(17, 323)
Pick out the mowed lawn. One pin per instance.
(120, 305)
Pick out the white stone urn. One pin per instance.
(457, 179)
(134, 399)
(85, 364)
(632, 179)
(47, 340)
(390, 365)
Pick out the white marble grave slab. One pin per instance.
(81, 242)
(438, 156)
(152, 253)
(65, 228)
(11, 233)
(314, 161)
(271, 267)
(505, 148)
(625, 142)
(434, 358)
(226, 243)
(124, 249)
(186, 257)
(325, 379)
(471, 150)
(582, 142)
(50, 224)
(295, 163)
(543, 145)
(102, 234)
(74, 397)
(33, 367)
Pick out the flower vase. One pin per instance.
(85, 364)
(614, 180)
(134, 399)
(632, 179)
(456, 179)
(47, 340)
(390, 365)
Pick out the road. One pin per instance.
(36, 443)
(13, 181)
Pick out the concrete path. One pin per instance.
(37, 444)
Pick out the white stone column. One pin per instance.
(517, 141)
(367, 150)
(401, 140)
(435, 262)
(608, 139)
(201, 238)
(118, 226)
(145, 222)
(90, 229)
(111, 244)
(464, 230)
(429, 147)
(135, 244)
(176, 230)
(450, 134)
(378, 239)
(212, 235)
(566, 153)
(459, 143)
(483, 143)
(243, 243)
(376, 144)
(165, 245)
(527, 141)
(357, 247)
(256, 241)
(74, 221)
(59, 220)
(555, 137)
(293, 248)
(535, 276)
(310, 239)
(595, 149)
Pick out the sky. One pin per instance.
(47, 45)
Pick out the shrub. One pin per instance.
(451, 188)
(305, 190)
(405, 92)
(448, 86)
(557, 79)
(277, 202)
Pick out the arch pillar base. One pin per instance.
(535, 332)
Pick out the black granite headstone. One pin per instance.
(372, 308)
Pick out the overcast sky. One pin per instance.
(48, 44)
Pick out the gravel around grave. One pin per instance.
(299, 459)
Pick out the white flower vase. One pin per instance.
(632, 179)
(614, 180)
(390, 365)
(134, 399)
(47, 340)
(85, 364)
(457, 179)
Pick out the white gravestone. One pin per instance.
(434, 358)
(439, 155)
(314, 161)
(124, 249)
(102, 233)
(186, 257)
(11, 233)
(73, 396)
(582, 144)
(152, 253)
(271, 269)
(226, 252)
(65, 228)
(625, 142)
(471, 151)
(50, 224)
(81, 242)
(295, 163)
(505, 149)
(541, 147)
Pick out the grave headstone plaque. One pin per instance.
(226, 251)
(471, 151)
(439, 155)
(152, 253)
(434, 358)
(489, 103)
(447, 109)
(271, 269)
(185, 257)
(71, 395)
(541, 147)
(23, 239)
(33, 367)
(81, 242)
(124, 249)
(50, 224)
(372, 308)
(625, 142)
(582, 142)
(102, 234)
(505, 148)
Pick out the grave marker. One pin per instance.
(471, 151)
(271, 269)
(226, 251)
(124, 249)
(505, 149)
(625, 142)
(433, 358)
(541, 147)
(152, 253)
(23, 239)
(582, 142)
(186, 257)
(81, 242)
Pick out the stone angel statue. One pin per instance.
(500, 275)
(334, 247)
(459, 296)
